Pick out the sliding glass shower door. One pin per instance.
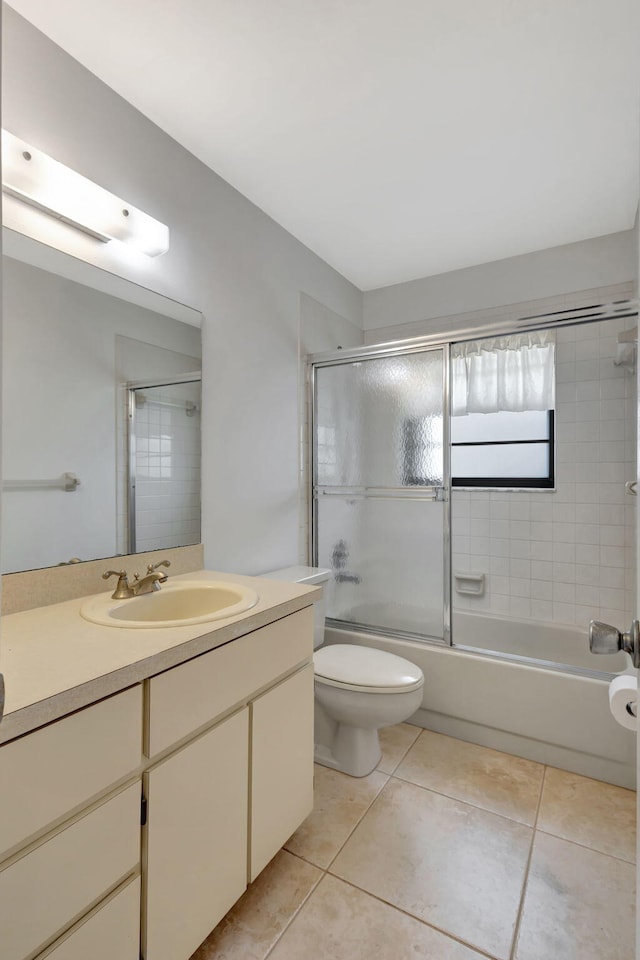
(380, 472)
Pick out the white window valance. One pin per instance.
(511, 373)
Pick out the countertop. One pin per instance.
(54, 661)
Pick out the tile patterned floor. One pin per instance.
(448, 851)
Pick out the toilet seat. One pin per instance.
(365, 669)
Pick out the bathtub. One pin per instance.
(527, 688)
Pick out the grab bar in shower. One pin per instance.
(67, 482)
(381, 493)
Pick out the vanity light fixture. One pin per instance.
(37, 179)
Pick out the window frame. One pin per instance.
(533, 483)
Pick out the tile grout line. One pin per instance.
(425, 923)
(525, 880)
(410, 747)
(585, 846)
(359, 820)
(295, 913)
(325, 870)
(470, 803)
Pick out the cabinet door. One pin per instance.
(196, 842)
(282, 765)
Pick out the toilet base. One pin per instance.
(347, 722)
(353, 751)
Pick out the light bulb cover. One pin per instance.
(37, 179)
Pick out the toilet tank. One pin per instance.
(317, 576)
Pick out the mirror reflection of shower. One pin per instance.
(163, 502)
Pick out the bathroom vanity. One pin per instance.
(140, 795)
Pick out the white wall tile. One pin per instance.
(541, 550)
(541, 589)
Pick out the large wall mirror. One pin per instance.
(101, 414)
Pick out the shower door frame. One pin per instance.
(546, 321)
(131, 387)
(340, 358)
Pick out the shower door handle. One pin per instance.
(603, 638)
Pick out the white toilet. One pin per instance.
(358, 690)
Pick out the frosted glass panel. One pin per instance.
(479, 427)
(501, 460)
(387, 562)
(379, 422)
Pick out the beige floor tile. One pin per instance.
(495, 781)
(595, 814)
(251, 928)
(579, 905)
(449, 863)
(339, 803)
(394, 743)
(339, 922)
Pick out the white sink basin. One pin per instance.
(175, 605)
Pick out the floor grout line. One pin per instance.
(295, 913)
(393, 772)
(525, 879)
(432, 926)
(359, 820)
(470, 803)
(467, 803)
(585, 846)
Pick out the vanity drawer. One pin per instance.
(111, 933)
(50, 773)
(48, 889)
(187, 697)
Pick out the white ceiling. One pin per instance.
(395, 138)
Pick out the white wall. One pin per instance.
(431, 303)
(227, 258)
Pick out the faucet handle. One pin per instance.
(123, 589)
(154, 566)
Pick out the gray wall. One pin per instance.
(227, 259)
(600, 262)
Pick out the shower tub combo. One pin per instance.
(380, 516)
(482, 690)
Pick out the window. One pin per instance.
(503, 398)
(503, 449)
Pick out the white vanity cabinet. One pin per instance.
(69, 821)
(130, 827)
(109, 932)
(232, 731)
(196, 845)
(281, 765)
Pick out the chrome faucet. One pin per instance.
(124, 590)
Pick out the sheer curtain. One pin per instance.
(511, 373)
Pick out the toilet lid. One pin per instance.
(366, 667)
